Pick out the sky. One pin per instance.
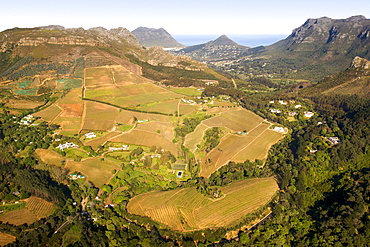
(179, 17)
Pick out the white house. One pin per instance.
(308, 114)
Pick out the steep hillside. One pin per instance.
(354, 80)
(216, 51)
(318, 48)
(149, 37)
(35, 61)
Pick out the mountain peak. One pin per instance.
(155, 37)
(223, 40)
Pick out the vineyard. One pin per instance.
(6, 239)
(187, 209)
(39, 207)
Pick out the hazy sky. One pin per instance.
(179, 17)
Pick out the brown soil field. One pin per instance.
(194, 138)
(19, 217)
(96, 110)
(146, 138)
(96, 170)
(72, 97)
(127, 117)
(187, 109)
(22, 104)
(186, 209)
(164, 128)
(49, 113)
(71, 110)
(98, 124)
(6, 239)
(125, 77)
(98, 76)
(50, 157)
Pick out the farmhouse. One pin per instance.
(90, 135)
(179, 169)
(67, 145)
(308, 114)
(123, 148)
(279, 129)
(142, 120)
(282, 102)
(333, 140)
(275, 111)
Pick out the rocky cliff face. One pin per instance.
(328, 34)
(58, 35)
(149, 37)
(361, 63)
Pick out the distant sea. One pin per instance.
(247, 40)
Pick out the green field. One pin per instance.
(189, 91)
(187, 209)
(168, 107)
(49, 113)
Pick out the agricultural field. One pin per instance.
(22, 104)
(127, 117)
(48, 114)
(235, 119)
(186, 209)
(96, 142)
(98, 76)
(19, 217)
(168, 107)
(96, 170)
(188, 91)
(130, 95)
(108, 75)
(238, 148)
(39, 207)
(6, 239)
(147, 138)
(164, 128)
(194, 138)
(50, 157)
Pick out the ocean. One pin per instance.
(247, 40)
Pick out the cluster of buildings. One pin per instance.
(27, 120)
(123, 148)
(333, 140)
(90, 135)
(67, 145)
(189, 101)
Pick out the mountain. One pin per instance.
(217, 51)
(149, 37)
(353, 80)
(55, 51)
(318, 48)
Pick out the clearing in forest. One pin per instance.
(96, 170)
(50, 157)
(187, 209)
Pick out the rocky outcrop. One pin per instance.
(361, 63)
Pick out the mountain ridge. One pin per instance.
(149, 37)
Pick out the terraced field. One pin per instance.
(186, 209)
